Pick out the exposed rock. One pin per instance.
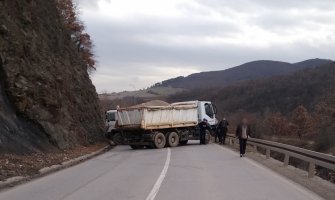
(3, 30)
(46, 95)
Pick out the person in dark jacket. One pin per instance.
(222, 130)
(203, 127)
(243, 132)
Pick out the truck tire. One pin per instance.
(172, 139)
(137, 146)
(159, 140)
(183, 142)
(117, 138)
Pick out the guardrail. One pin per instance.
(311, 157)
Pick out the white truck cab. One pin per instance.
(207, 110)
(111, 118)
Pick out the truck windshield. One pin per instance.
(209, 110)
(110, 117)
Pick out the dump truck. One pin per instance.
(152, 126)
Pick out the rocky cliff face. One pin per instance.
(46, 95)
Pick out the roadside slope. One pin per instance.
(47, 96)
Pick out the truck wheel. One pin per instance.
(117, 138)
(159, 140)
(172, 139)
(137, 146)
(183, 142)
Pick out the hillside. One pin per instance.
(150, 93)
(298, 109)
(47, 100)
(213, 79)
(306, 87)
(248, 71)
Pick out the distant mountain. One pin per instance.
(305, 87)
(248, 71)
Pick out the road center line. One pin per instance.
(161, 177)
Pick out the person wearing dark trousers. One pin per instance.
(243, 132)
(222, 130)
(203, 127)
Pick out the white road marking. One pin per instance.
(161, 177)
(280, 177)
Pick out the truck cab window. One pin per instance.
(209, 110)
(110, 117)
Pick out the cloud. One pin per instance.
(142, 42)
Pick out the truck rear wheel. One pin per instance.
(172, 139)
(159, 140)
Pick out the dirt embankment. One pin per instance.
(47, 100)
(12, 165)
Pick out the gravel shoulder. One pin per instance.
(19, 168)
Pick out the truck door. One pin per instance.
(110, 120)
(208, 112)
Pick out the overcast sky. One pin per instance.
(141, 42)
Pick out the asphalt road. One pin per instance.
(189, 172)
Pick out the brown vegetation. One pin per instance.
(81, 39)
(303, 122)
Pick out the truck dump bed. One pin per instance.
(175, 115)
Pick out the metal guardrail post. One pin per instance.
(268, 153)
(255, 148)
(311, 170)
(286, 160)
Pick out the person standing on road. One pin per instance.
(203, 127)
(222, 130)
(243, 132)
